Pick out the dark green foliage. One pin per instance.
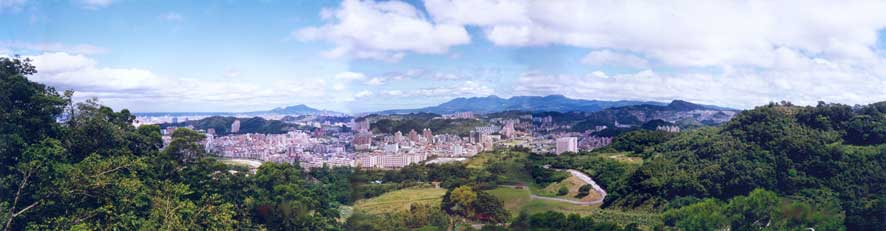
(418, 217)
(866, 130)
(584, 190)
(417, 122)
(468, 202)
(637, 141)
(563, 190)
(786, 149)
(222, 125)
(545, 176)
(557, 221)
(614, 131)
(760, 210)
(95, 171)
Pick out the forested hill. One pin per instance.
(222, 125)
(96, 171)
(831, 156)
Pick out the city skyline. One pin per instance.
(364, 56)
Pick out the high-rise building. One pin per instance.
(174, 120)
(429, 137)
(508, 129)
(361, 125)
(398, 137)
(413, 136)
(566, 144)
(363, 140)
(235, 127)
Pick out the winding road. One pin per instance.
(584, 177)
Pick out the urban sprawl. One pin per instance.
(354, 144)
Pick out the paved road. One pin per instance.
(583, 177)
(587, 179)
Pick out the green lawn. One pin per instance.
(539, 206)
(573, 184)
(400, 200)
(516, 200)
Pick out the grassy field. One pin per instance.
(400, 200)
(573, 184)
(516, 200)
(539, 206)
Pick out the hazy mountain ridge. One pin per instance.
(299, 109)
(558, 103)
(491, 104)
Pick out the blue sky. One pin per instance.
(358, 56)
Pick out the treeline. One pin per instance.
(83, 166)
(830, 156)
(222, 125)
(405, 124)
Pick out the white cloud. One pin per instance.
(798, 79)
(466, 88)
(445, 76)
(141, 89)
(172, 17)
(679, 33)
(394, 92)
(11, 5)
(375, 81)
(94, 4)
(86, 49)
(383, 31)
(350, 76)
(610, 58)
(232, 73)
(364, 93)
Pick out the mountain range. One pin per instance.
(557, 103)
(488, 104)
(300, 109)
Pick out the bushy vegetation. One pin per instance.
(793, 151)
(759, 210)
(222, 125)
(559, 221)
(417, 122)
(92, 170)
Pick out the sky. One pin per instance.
(362, 56)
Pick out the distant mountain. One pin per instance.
(491, 104)
(300, 109)
(681, 113)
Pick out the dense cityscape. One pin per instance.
(354, 144)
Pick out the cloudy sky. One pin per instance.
(358, 56)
